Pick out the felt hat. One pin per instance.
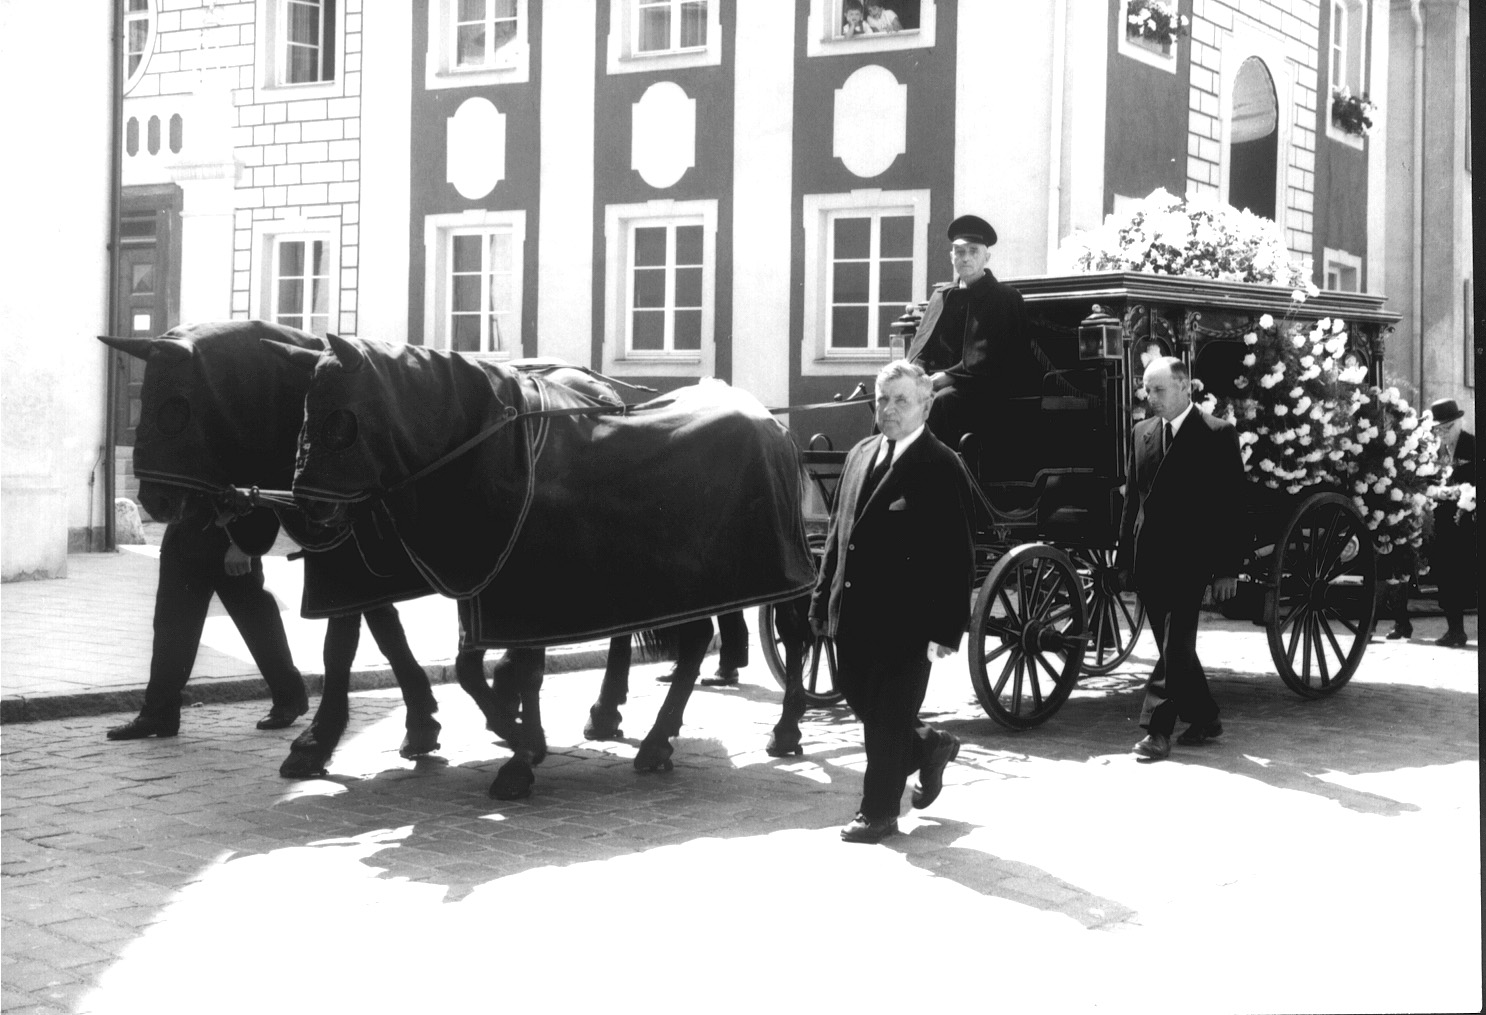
(972, 227)
(1445, 410)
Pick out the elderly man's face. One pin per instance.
(901, 408)
(1166, 394)
(1447, 432)
(969, 259)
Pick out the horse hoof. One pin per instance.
(539, 752)
(782, 747)
(602, 726)
(654, 756)
(512, 783)
(303, 765)
(420, 739)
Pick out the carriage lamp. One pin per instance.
(901, 331)
(1099, 336)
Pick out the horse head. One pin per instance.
(215, 410)
(375, 413)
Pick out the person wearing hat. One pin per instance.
(973, 340)
(1452, 548)
(1453, 553)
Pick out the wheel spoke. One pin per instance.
(1316, 623)
(1005, 672)
(1345, 623)
(1294, 633)
(1336, 645)
(1003, 648)
(1129, 619)
(1305, 674)
(1016, 688)
(1291, 617)
(1097, 636)
(1010, 610)
(1052, 674)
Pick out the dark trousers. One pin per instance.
(734, 651)
(190, 573)
(1177, 687)
(1453, 563)
(884, 684)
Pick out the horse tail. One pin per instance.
(658, 644)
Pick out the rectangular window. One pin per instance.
(485, 33)
(866, 258)
(1345, 54)
(301, 284)
(483, 313)
(871, 277)
(1339, 42)
(668, 26)
(309, 41)
(667, 265)
(1341, 271)
(136, 35)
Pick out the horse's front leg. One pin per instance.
(793, 619)
(603, 715)
(311, 750)
(509, 676)
(656, 749)
(422, 729)
(469, 670)
(523, 670)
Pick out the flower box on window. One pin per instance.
(1352, 114)
(1154, 24)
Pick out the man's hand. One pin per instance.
(1224, 589)
(938, 651)
(235, 562)
(940, 380)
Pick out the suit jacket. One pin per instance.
(1464, 463)
(979, 335)
(1183, 523)
(899, 566)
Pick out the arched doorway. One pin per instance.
(1253, 140)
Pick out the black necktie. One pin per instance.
(879, 469)
(1167, 436)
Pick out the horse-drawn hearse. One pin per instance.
(1047, 605)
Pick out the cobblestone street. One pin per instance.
(1324, 856)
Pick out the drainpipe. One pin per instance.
(1055, 140)
(115, 199)
(1416, 11)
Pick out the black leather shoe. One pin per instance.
(726, 677)
(931, 776)
(1155, 747)
(862, 830)
(667, 678)
(1200, 733)
(1400, 632)
(1451, 639)
(281, 716)
(145, 726)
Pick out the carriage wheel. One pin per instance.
(820, 664)
(1115, 618)
(1027, 636)
(1322, 590)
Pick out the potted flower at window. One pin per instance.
(1155, 24)
(1352, 114)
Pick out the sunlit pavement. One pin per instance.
(1323, 856)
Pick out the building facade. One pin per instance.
(673, 189)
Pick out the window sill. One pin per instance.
(1340, 136)
(1148, 52)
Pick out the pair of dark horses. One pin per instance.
(232, 406)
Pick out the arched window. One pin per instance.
(1254, 140)
(139, 39)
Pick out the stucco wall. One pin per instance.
(54, 301)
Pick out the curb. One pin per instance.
(227, 690)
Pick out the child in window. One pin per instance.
(853, 23)
(880, 20)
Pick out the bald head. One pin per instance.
(1168, 387)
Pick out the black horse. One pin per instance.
(554, 516)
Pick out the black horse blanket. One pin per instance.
(565, 527)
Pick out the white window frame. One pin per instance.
(1336, 262)
(440, 69)
(1141, 51)
(622, 57)
(1245, 42)
(149, 17)
(1353, 38)
(438, 238)
(620, 221)
(822, 37)
(270, 56)
(267, 235)
(816, 358)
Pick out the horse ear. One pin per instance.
(304, 359)
(350, 356)
(139, 348)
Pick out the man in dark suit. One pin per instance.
(973, 340)
(1181, 531)
(1452, 557)
(893, 591)
(199, 556)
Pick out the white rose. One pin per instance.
(1395, 494)
(1338, 325)
(1248, 360)
(1251, 339)
(1266, 322)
